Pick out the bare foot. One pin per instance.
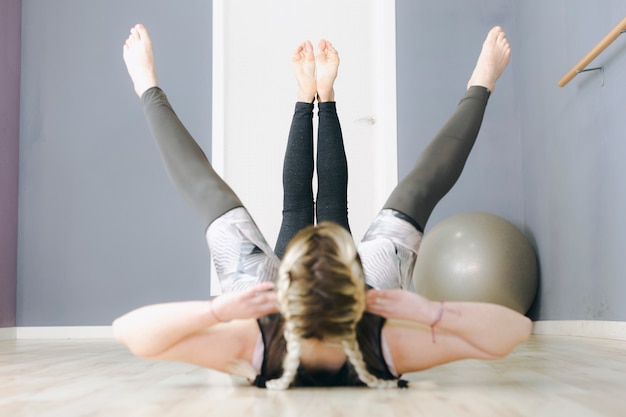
(139, 59)
(327, 63)
(304, 67)
(492, 60)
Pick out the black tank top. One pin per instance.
(368, 335)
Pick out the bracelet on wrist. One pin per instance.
(437, 320)
(213, 314)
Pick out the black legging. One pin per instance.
(434, 174)
(331, 204)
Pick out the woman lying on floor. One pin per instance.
(318, 310)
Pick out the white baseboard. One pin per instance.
(64, 332)
(582, 328)
(7, 333)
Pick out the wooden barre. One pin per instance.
(595, 51)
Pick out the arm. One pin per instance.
(463, 330)
(192, 331)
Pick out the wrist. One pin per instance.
(428, 311)
(212, 313)
(437, 313)
(436, 319)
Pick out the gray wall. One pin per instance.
(9, 144)
(102, 231)
(573, 150)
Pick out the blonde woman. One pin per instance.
(317, 310)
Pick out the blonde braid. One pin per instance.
(290, 363)
(351, 345)
(353, 352)
(292, 358)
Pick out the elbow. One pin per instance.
(121, 334)
(120, 331)
(526, 329)
(529, 326)
(124, 334)
(519, 334)
(506, 344)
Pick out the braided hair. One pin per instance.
(321, 294)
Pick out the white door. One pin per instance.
(254, 93)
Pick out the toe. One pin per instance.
(141, 31)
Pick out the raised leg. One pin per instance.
(298, 165)
(332, 166)
(441, 163)
(389, 249)
(298, 206)
(185, 162)
(332, 169)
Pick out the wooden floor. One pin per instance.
(547, 376)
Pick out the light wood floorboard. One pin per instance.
(546, 376)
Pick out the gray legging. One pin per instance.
(434, 174)
(441, 163)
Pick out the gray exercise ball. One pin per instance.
(477, 257)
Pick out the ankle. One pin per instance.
(305, 97)
(324, 96)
